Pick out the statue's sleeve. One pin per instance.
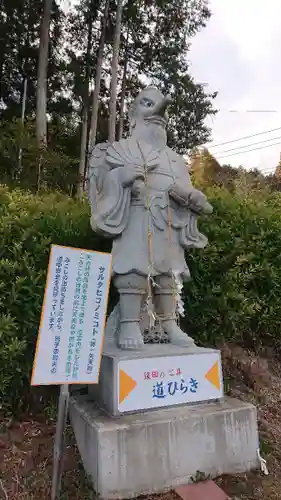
(183, 218)
(190, 236)
(184, 221)
(109, 200)
(182, 185)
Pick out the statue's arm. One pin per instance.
(108, 196)
(183, 192)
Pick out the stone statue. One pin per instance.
(141, 196)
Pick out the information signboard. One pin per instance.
(70, 338)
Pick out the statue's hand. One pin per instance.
(198, 202)
(138, 188)
(129, 173)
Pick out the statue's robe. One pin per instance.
(151, 230)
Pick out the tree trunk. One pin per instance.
(85, 106)
(123, 91)
(2, 59)
(95, 100)
(122, 103)
(83, 150)
(23, 106)
(114, 73)
(41, 105)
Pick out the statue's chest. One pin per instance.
(164, 175)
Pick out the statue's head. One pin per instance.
(150, 107)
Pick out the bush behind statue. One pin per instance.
(235, 289)
(234, 292)
(28, 225)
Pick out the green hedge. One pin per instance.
(28, 225)
(234, 293)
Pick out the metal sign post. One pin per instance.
(60, 441)
(70, 338)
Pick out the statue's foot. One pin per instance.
(176, 336)
(130, 336)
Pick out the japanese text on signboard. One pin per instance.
(96, 323)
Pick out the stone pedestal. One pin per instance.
(158, 417)
(156, 450)
(129, 380)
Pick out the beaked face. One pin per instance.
(148, 108)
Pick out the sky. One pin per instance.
(238, 55)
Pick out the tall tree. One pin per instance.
(85, 99)
(154, 42)
(96, 92)
(41, 106)
(153, 49)
(123, 89)
(20, 53)
(114, 73)
(277, 172)
(161, 55)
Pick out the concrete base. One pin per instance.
(154, 451)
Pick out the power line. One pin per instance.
(245, 137)
(249, 111)
(249, 145)
(249, 151)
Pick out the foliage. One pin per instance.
(28, 225)
(236, 280)
(234, 292)
(155, 40)
(19, 34)
(207, 171)
(60, 169)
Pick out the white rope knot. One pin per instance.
(149, 301)
(153, 282)
(178, 291)
(263, 465)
